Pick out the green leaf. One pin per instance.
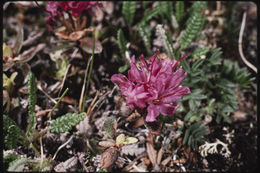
(185, 65)
(18, 165)
(145, 33)
(8, 158)
(150, 14)
(193, 29)
(145, 4)
(198, 53)
(32, 88)
(194, 135)
(120, 139)
(121, 42)
(61, 66)
(123, 68)
(11, 132)
(7, 51)
(190, 140)
(66, 122)
(128, 11)
(186, 136)
(109, 126)
(188, 115)
(192, 105)
(179, 11)
(8, 83)
(130, 140)
(195, 126)
(197, 7)
(166, 8)
(237, 74)
(197, 64)
(214, 58)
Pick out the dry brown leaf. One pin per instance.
(86, 45)
(139, 122)
(187, 152)
(179, 141)
(84, 127)
(69, 100)
(193, 157)
(8, 64)
(239, 116)
(133, 117)
(159, 156)
(73, 36)
(109, 6)
(99, 14)
(108, 143)
(152, 153)
(32, 38)
(63, 166)
(142, 167)
(132, 150)
(154, 127)
(146, 160)
(120, 162)
(42, 112)
(166, 161)
(182, 160)
(7, 99)
(30, 53)
(109, 157)
(190, 155)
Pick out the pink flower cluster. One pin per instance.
(153, 82)
(55, 8)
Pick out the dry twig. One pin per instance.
(240, 44)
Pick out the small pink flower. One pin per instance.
(135, 94)
(152, 82)
(55, 8)
(77, 7)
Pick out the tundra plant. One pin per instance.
(153, 82)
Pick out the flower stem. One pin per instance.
(50, 113)
(89, 73)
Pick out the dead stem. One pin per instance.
(240, 44)
(63, 145)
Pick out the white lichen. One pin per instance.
(211, 148)
(229, 135)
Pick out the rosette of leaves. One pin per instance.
(214, 82)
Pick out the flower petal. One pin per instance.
(134, 74)
(176, 95)
(168, 109)
(153, 112)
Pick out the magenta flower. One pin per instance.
(55, 8)
(77, 7)
(153, 83)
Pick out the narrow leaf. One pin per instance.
(32, 102)
(128, 11)
(121, 42)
